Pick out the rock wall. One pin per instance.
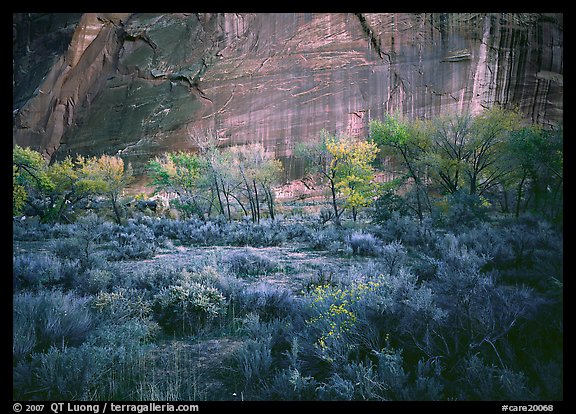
(140, 84)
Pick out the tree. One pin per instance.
(257, 168)
(52, 190)
(449, 153)
(485, 148)
(468, 151)
(355, 175)
(535, 160)
(344, 165)
(228, 180)
(207, 144)
(179, 172)
(410, 142)
(214, 176)
(110, 176)
(30, 179)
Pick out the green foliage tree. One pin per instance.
(535, 160)
(491, 130)
(467, 150)
(409, 142)
(214, 176)
(321, 163)
(448, 153)
(179, 172)
(51, 190)
(81, 178)
(485, 155)
(30, 179)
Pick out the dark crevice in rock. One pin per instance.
(374, 40)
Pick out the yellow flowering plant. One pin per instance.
(335, 312)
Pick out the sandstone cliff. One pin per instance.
(138, 84)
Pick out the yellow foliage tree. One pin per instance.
(345, 166)
(355, 176)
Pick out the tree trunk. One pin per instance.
(218, 194)
(269, 201)
(227, 198)
(416, 179)
(519, 194)
(256, 201)
(114, 199)
(335, 204)
(250, 196)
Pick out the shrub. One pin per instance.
(393, 256)
(207, 275)
(488, 382)
(152, 278)
(132, 241)
(44, 319)
(386, 205)
(245, 263)
(265, 351)
(61, 374)
(109, 365)
(208, 234)
(186, 308)
(291, 385)
(329, 238)
(93, 281)
(491, 242)
(129, 333)
(383, 380)
(123, 304)
(459, 210)
(66, 248)
(298, 231)
(30, 229)
(268, 301)
(254, 361)
(405, 229)
(335, 315)
(363, 244)
(35, 271)
(264, 234)
(336, 388)
(456, 256)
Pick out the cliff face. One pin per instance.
(139, 84)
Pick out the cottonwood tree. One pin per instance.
(454, 153)
(215, 176)
(467, 150)
(535, 160)
(257, 169)
(109, 174)
(491, 130)
(207, 144)
(448, 153)
(344, 166)
(30, 180)
(181, 173)
(410, 143)
(355, 175)
(52, 190)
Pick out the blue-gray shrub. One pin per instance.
(49, 318)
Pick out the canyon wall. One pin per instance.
(137, 85)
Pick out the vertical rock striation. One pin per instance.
(139, 84)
